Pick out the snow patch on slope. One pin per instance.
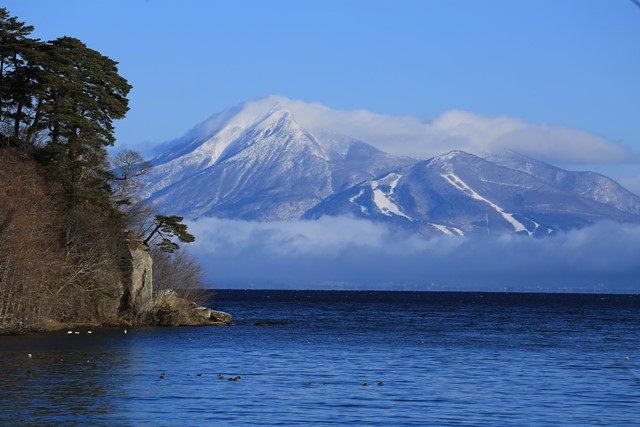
(455, 181)
(383, 200)
(353, 200)
(448, 231)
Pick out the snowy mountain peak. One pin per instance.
(453, 156)
(279, 159)
(257, 161)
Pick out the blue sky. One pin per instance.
(571, 63)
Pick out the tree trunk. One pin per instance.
(36, 121)
(16, 123)
(155, 230)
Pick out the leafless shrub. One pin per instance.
(54, 264)
(92, 287)
(179, 272)
(30, 265)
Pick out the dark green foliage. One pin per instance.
(17, 75)
(62, 210)
(60, 98)
(167, 227)
(84, 96)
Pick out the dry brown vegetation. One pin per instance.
(54, 267)
(59, 265)
(179, 272)
(67, 215)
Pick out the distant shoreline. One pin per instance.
(425, 291)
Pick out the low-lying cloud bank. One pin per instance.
(347, 253)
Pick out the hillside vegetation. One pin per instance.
(67, 212)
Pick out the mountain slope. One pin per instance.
(459, 193)
(269, 160)
(256, 162)
(589, 185)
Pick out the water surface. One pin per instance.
(399, 358)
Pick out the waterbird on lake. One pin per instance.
(77, 332)
(89, 332)
(626, 358)
(236, 378)
(365, 384)
(199, 375)
(161, 376)
(29, 355)
(220, 376)
(125, 330)
(380, 383)
(69, 332)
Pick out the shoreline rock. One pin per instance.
(169, 309)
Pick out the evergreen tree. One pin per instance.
(167, 227)
(63, 97)
(18, 75)
(85, 94)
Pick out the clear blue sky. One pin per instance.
(564, 62)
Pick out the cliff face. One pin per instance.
(137, 277)
(58, 260)
(138, 303)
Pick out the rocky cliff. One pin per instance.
(139, 305)
(137, 276)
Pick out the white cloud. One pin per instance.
(419, 138)
(351, 253)
(459, 130)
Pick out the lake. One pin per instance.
(336, 357)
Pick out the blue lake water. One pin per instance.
(442, 358)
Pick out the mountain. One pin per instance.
(589, 185)
(459, 193)
(268, 160)
(255, 162)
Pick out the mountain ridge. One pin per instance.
(256, 161)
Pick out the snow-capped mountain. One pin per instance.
(268, 160)
(460, 193)
(589, 185)
(257, 162)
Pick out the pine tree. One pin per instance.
(62, 97)
(85, 94)
(168, 227)
(19, 76)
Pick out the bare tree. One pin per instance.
(129, 169)
(179, 272)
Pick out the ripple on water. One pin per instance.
(442, 358)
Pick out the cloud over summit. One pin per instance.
(451, 130)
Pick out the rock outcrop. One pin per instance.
(139, 305)
(169, 309)
(137, 278)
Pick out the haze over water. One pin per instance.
(464, 358)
